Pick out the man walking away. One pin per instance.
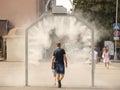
(59, 61)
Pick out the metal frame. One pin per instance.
(46, 6)
(26, 47)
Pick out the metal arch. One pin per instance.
(26, 48)
(26, 45)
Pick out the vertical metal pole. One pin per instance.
(116, 11)
(115, 56)
(46, 5)
(26, 58)
(43, 6)
(93, 62)
(26, 46)
(38, 8)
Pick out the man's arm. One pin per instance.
(65, 59)
(52, 62)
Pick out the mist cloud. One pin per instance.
(74, 34)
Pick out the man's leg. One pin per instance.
(59, 80)
(61, 76)
(58, 76)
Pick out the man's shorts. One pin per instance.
(60, 69)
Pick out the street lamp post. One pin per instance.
(93, 62)
(115, 55)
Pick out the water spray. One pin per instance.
(74, 32)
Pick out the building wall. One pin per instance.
(19, 12)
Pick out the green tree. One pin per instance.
(102, 10)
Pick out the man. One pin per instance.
(59, 61)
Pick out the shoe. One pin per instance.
(59, 84)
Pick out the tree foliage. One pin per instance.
(102, 10)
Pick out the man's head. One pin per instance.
(58, 44)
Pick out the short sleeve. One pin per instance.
(63, 51)
(54, 53)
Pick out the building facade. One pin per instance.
(20, 12)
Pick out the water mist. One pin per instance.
(73, 33)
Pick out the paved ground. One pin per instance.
(77, 77)
(52, 88)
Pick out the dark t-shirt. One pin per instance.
(59, 55)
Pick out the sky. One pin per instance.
(65, 3)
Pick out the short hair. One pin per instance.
(58, 44)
